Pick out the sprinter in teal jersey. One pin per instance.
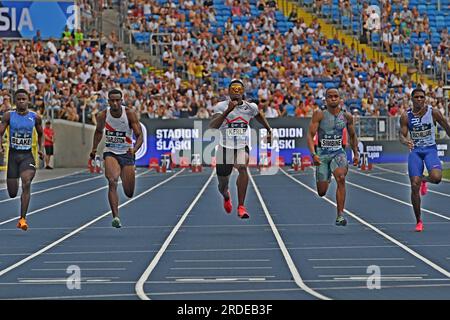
(330, 157)
(21, 163)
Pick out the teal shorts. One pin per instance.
(329, 163)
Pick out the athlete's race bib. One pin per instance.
(21, 142)
(331, 142)
(420, 134)
(236, 130)
(115, 139)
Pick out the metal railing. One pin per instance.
(377, 128)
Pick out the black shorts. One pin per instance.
(18, 162)
(125, 159)
(227, 158)
(49, 150)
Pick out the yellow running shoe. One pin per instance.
(22, 224)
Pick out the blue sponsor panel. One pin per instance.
(22, 19)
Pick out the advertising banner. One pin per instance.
(185, 137)
(22, 19)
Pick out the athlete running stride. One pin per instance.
(330, 157)
(420, 122)
(119, 123)
(232, 118)
(21, 163)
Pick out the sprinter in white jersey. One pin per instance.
(232, 118)
(119, 124)
(420, 122)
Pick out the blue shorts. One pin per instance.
(418, 156)
(123, 159)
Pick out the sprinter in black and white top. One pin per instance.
(232, 118)
(119, 123)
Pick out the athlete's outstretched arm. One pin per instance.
(3, 125)
(353, 138)
(437, 115)
(98, 134)
(40, 133)
(404, 131)
(312, 131)
(136, 126)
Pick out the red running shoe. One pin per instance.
(227, 204)
(242, 213)
(423, 188)
(419, 226)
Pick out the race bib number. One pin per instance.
(114, 138)
(420, 134)
(21, 142)
(331, 143)
(236, 130)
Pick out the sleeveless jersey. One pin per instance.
(330, 132)
(118, 133)
(21, 130)
(422, 129)
(234, 130)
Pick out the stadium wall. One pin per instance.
(71, 150)
(185, 137)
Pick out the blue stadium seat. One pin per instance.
(330, 85)
(396, 49)
(326, 10)
(376, 38)
(345, 21)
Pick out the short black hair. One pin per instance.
(114, 91)
(331, 88)
(21, 90)
(418, 89)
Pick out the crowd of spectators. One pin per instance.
(416, 32)
(286, 73)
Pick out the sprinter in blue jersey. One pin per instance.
(330, 157)
(21, 163)
(420, 122)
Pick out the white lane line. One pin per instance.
(66, 262)
(386, 236)
(54, 178)
(224, 291)
(404, 173)
(53, 188)
(393, 171)
(139, 288)
(84, 269)
(365, 275)
(399, 183)
(225, 250)
(203, 280)
(49, 279)
(380, 278)
(293, 269)
(65, 201)
(115, 295)
(55, 243)
(396, 200)
(355, 259)
(231, 260)
(221, 268)
(358, 267)
(123, 295)
(216, 277)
